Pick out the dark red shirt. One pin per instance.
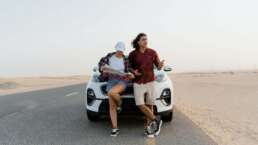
(143, 62)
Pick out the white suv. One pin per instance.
(96, 99)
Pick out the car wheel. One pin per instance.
(92, 116)
(168, 117)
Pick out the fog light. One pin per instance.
(90, 96)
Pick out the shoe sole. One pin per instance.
(157, 133)
(113, 135)
(151, 136)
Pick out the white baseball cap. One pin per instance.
(120, 46)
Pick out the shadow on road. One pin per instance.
(57, 119)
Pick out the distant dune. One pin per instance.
(8, 85)
(24, 84)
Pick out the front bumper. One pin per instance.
(128, 106)
(100, 103)
(131, 112)
(101, 106)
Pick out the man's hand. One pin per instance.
(161, 64)
(130, 75)
(137, 73)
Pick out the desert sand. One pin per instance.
(224, 105)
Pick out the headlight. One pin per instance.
(166, 97)
(90, 96)
(160, 77)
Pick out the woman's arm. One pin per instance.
(104, 61)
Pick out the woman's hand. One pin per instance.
(104, 68)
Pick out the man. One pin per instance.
(141, 62)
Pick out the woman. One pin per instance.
(114, 67)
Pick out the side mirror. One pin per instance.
(167, 68)
(95, 69)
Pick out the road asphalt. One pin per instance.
(57, 117)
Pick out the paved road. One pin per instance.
(57, 117)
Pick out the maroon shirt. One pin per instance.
(143, 62)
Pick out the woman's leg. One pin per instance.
(112, 112)
(114, 100)
(115, 93)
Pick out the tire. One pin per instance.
(92, 116)
(168, 117)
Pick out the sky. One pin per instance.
(68, 37)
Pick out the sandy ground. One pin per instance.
(224, 105)
(25, 84)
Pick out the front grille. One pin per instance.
(127, 91)
(128, 106)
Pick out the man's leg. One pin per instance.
(146, 98)
(149, 117)
(147, 120)
(151, 101)
(147, 112)
(139, 94)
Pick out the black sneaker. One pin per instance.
(159, 124)
(114, 132)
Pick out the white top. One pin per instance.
(117, 63)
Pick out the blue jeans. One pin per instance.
(113, 82)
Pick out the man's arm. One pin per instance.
(159, 64)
